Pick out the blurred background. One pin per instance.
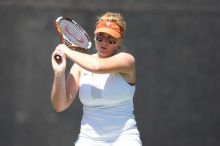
(176, 45)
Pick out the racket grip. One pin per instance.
(57, 58)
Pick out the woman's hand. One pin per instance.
(59, 66)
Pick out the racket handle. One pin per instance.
(57, 58)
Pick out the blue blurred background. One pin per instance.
(176, 45)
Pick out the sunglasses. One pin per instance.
(101, 37)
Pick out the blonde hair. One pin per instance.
(113, 17)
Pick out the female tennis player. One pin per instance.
(106, 85)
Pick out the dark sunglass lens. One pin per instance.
(99, 39)
(112, 41)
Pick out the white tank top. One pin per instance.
(107, 105)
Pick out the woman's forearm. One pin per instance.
(86, 61)
(58, 93)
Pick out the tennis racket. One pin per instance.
(72, 35)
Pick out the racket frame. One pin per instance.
(65, 40)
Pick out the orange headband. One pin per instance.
(110, 28)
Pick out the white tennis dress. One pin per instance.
(108, 118)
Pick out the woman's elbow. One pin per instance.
(58, 109)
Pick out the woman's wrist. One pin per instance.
(59, 73)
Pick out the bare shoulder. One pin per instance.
(123, 56)
(130, 75)
(127, 55)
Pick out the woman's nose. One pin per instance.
(105, 41)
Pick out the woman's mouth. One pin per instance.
(102, 48)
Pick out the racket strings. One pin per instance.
(74, 35)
